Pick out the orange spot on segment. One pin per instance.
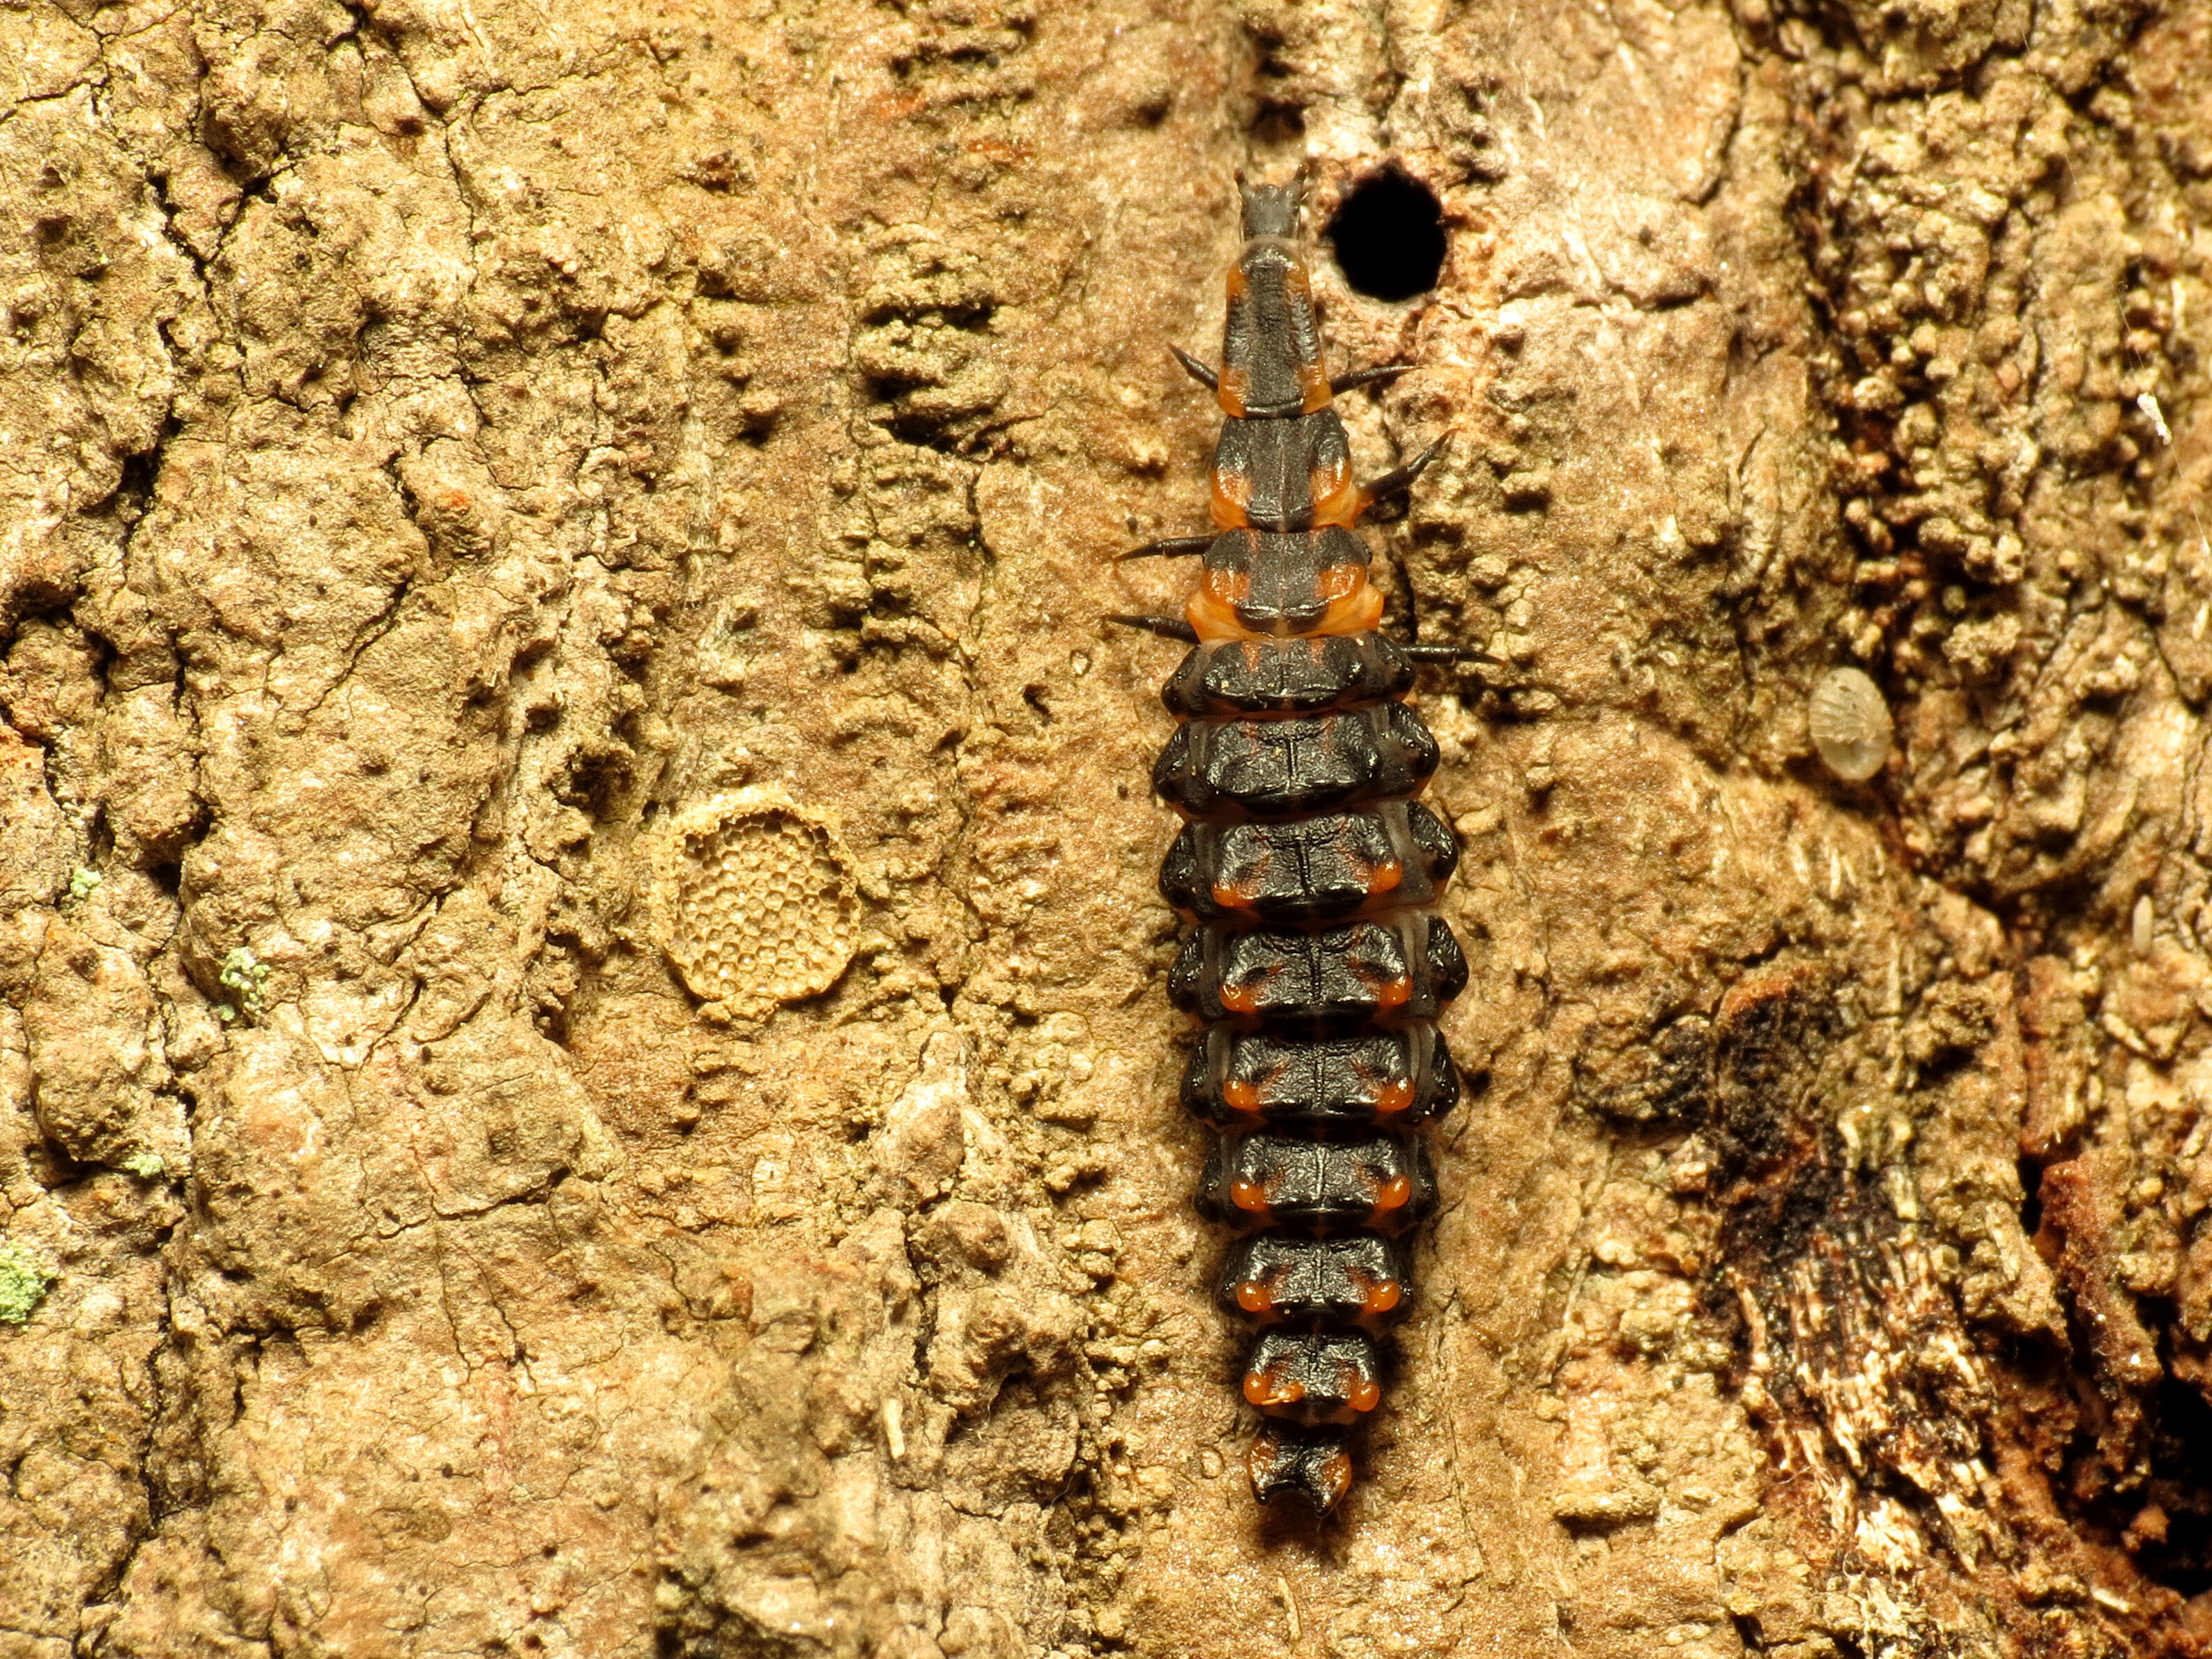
(1337, 500)
(1210, 619)
(1248, 1195)
(1385, 877)
(1234, 392)
(1255, 1298)
(1241, 998)
(1393, 1097)
(1227, 586)
(1232, 495)
(1393, 1193)
(1394, 992)
(1243, 892)
(1381, 1296)
(1363, 1394)
(1335, 1473)
(1263, 1390)
(1260, 1461)
(1239, 283)
(1240, 1097)
(1359, 614)
(1313, 387)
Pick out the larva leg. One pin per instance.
(1197, 371)
(1171, 547)
(1447, 654)
(1168, 628)
(1399, 480)
(1343, 383)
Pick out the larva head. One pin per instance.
(1271, 209)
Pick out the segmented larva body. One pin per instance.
(1307, 875)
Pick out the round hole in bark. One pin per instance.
(1389, 234)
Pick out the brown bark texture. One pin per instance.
(584, 1062)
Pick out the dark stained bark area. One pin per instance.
(584, 1062)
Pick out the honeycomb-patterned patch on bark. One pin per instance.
(754, 901)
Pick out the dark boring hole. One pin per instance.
(2175, 1547)
(1389, 234)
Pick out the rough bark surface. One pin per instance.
(532, 540)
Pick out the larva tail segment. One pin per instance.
(1308, 1466)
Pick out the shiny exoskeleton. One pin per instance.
(1307, 875)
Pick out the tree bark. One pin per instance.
(581, 1003)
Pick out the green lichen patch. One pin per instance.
(246, 975)
(24, 1282)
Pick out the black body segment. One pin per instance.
(1354, 1280)
(1270, 305)
(1283, 583)
(1378, 970)
(1260, 677)
(1309, 1464)
(1312, 1379)
(1309, 870)
(1230, 770)
(1256, 1181)
(1308, 877)
(1323, 1087)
